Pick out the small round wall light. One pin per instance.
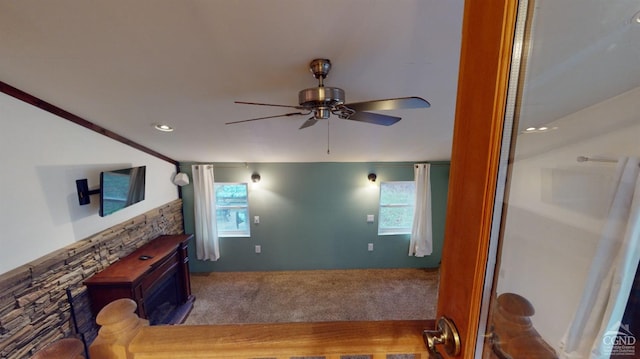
(255, 178)
(372, 177)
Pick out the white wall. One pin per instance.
(42, 155)
(557, 206)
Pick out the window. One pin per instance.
(397, 203)
(232, 209)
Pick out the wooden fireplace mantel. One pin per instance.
(143, 273)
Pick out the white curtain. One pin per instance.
(421, 243)
(204, 200)
(599, 314)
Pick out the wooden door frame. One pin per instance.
(487, 38)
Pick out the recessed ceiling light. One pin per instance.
(539, 129)
(163, 128)
(635, 19)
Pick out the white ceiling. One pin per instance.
(127, 65)
(584, 51)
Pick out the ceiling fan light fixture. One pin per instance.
(321, 113)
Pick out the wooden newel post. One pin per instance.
(119, 325)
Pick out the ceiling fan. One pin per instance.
(322, 101)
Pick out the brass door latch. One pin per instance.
(447, 334)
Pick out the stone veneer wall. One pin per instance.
(34, 309)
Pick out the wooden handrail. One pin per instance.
(375, 339)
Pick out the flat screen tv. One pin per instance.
(121, 188)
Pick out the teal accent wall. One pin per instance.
(313, 216)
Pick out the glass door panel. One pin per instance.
(569, 236)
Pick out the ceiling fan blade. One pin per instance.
(308, 123)
(390, 104)
(374, 118)
(266, 117)
(267, 104)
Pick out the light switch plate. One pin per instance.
(370, 218)
(256, 219)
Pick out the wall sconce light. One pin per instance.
(255, 178)
(181, 179)
(372, 177)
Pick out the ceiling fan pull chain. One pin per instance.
(328, 134)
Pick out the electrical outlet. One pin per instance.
(256, 219)
(370, 218)
(258, 248)
(370, 247)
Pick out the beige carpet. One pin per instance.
(313, 296)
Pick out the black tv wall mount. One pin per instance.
(84, 192)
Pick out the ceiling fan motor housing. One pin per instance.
(317, 97)
(321, 100)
